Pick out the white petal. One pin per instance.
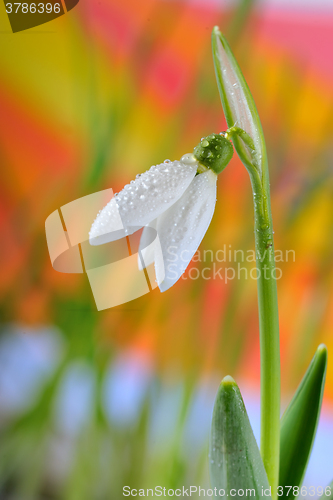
(147, 246)
(108, 225)
(182, 227)
(144, 199)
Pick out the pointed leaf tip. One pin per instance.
(322, 349)
(235, 461)
(228, 380)
(299, 423)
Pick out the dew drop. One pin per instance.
(188, 158)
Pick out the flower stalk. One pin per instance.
(246, 133)
(269, 331)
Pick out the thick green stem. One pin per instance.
(268, 309)
(269, 330)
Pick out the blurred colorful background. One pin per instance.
(92, 401)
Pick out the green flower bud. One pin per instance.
(214, 152)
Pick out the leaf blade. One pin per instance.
(235, 461)
(299, 422)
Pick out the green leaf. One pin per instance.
(235, 461)
(238, 104)
(299, 423)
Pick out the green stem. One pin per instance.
(268, 315)
(269, 331)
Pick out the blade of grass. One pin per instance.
(299, 423)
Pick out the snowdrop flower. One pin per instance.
(177, 199)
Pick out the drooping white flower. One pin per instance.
(175, 198)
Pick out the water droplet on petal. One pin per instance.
(188, 158)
